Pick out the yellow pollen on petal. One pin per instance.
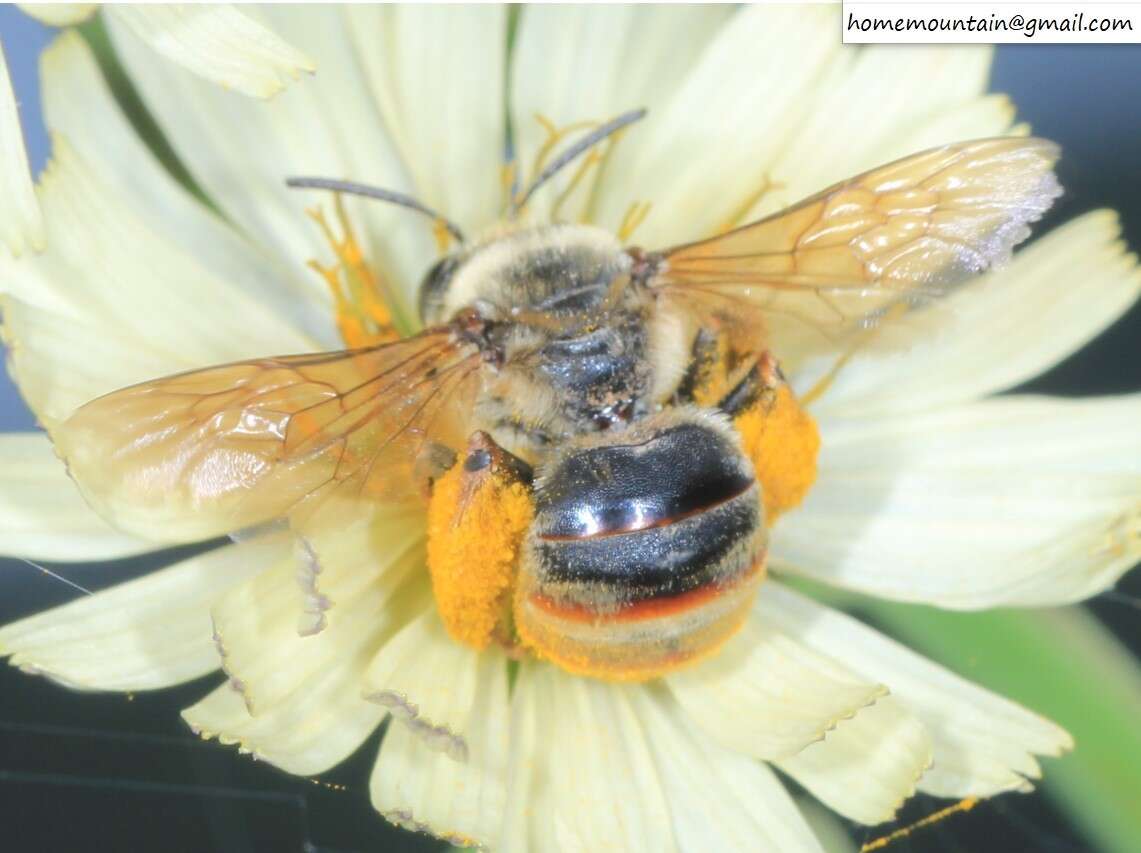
(476, 523)
(782, 440)
(363, 315)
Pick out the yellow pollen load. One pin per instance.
(363, 316)
(476, 523)
(782, 441)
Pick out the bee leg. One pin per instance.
(478, 513)
(759, 385)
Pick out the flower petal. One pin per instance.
(59, 363)
(141, 635)
(438, 76)
(1006, 328)
(1010, 501)
(257, 623)
(79, 106)
(21, 222)
(982, 744)
(876, 105)
(90, 283)
(430, 791)
(581, 775)
(240, 152)
(42, 516)
(316, 728)
(868, 765)
(701, 159)
(719, 799)
(59, 14)
(219, 43)
(574, 63)
(768, 696)
(428, 682)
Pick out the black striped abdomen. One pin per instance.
(645, 550)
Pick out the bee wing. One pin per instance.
(905, 232)
(213, 451)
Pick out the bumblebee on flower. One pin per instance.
(553, 668)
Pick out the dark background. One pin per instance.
(113, 772)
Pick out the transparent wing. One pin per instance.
(906, 232)
(205, 453)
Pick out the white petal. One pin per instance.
(982, 744)
(117, 286)
(241, 152)
(141, 635)
(59, 363)
(768, 696)
(581, 775)
(79, 106)
(719, 799)
(219, 43)
(21, 222)
(59, 14)
(700, 159)
(1015, 500)
(366, 583)
(428, 682)
(574, 63)
(1006, 328)
(868, 765)
(426, 790)
(876, 105)
(438, 76)
(42, 516)
(317, 727)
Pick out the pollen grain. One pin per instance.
(476, 523)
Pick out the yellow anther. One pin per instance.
(359, 298)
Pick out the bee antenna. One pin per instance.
(585, 144)
(353, 188)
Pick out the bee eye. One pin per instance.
(434, 288)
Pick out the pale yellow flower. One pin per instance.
(216, 42)
(21, 223)
(930, 488)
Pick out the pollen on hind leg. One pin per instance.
(477, 515)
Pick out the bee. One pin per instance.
(584, 422)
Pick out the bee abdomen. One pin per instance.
(645, 550)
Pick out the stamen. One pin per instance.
(862, 339)
(767, 186)
(635, 215)
(555, 135)
(608, 131)
(964, 805)
(509, 180)
(359, 295)
(593, 158)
